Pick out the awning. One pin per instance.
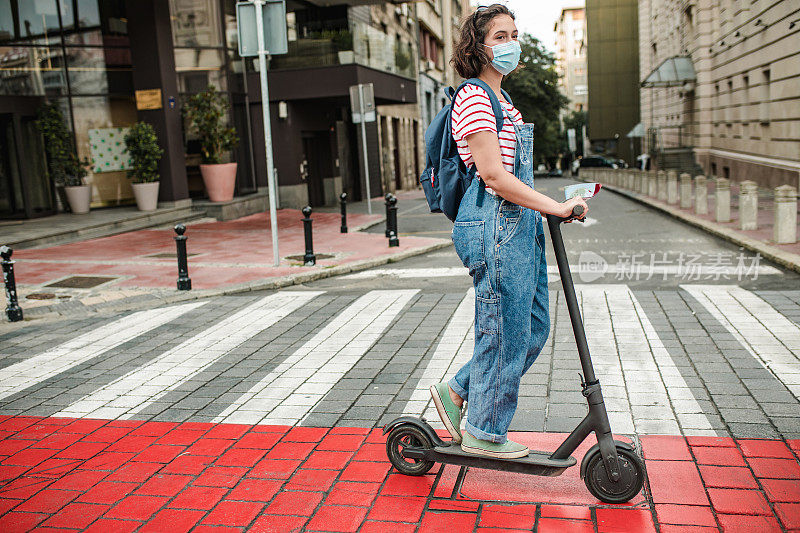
(672, 72)
(637, 131)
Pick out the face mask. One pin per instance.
(506, 56)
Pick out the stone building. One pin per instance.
(721, 87)
(570, 30)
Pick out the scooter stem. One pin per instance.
(554, 223)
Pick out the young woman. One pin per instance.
(498, 234)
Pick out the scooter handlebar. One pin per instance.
(577, 212)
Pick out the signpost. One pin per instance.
(362, 102)
(261, 26)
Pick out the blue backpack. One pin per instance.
(446, 178)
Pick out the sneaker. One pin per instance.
(449, 412)
(508, 450)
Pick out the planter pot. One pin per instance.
(219, 180)
(346, 57)
(79, 198)
(146, 195)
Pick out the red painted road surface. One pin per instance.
(60, 474)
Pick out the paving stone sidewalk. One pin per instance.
(127, 475)
(139, 269)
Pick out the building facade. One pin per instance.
(721, 83)
(570, 30)
(90, 57)
(612, 31)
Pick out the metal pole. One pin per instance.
(343, 202)
(262, 70)
(184, 283)
(309, 259)
(249, 126)
(364, 144)
(13, 310)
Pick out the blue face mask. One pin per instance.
(506, 56)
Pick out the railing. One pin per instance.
(663, 137)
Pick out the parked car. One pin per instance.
(555, 173)
(594, 161)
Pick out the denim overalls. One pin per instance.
(502, 244)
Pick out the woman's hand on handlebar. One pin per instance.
(567, 206)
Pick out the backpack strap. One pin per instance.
(498, 111)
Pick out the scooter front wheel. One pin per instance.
(406, 436)
(626, 487)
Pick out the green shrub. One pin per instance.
(205, 111)
(65, 167)
(141, 143)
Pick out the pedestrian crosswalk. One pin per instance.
(649, 385)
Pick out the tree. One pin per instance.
(536, 95)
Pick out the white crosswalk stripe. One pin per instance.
(769, 336)
(288, 393)
(137, 389)
(19, 376)
(454, 349)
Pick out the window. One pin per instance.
(764, 111)
(745, 115)
(729, 103)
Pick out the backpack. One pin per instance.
(446, 178)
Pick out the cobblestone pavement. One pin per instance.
(263, 410)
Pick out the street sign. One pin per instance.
(571, 140)
(368, 100)
(362, 102)
(274, 27)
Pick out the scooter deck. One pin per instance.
(535, 463)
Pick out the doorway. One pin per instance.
(316, 165)
(25, 188)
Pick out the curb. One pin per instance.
(776, 255)
(266, 284)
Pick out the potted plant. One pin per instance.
(343, 40)
(205, 111)
(65, 168)
(142, 145)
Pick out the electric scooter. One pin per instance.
(611, 469)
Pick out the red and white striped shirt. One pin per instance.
(472, 112)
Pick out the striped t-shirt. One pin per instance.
(472, 112)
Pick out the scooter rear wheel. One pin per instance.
(402, 437)
(622, 490)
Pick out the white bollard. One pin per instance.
(686, 191)
(700, 195)
(785, 229)
(661, 185)
(672, 187)
(652, 183)
(748, 205)
(722, 203)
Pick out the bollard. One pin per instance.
(343, 205)
(661, 185)
(13, 310)
(391, 221)
(686, 190)
(184, 283)
(652, 184)
(748, 205)
(387, 198)
(784, 230)
(722, 200)
(309, 259)
(672, 187)
(700, 195)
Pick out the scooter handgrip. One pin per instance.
(577, 210)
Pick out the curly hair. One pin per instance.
(469, 56)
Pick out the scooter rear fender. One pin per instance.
(596, 447)
(418, 422)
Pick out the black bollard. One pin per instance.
(309, 259)
(391, 222)
(388, 199)
(13, 310)
(184, 283)
(343, 204)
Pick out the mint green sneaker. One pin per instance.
(449, 412)
(508, 450)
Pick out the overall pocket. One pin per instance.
(468, 238)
